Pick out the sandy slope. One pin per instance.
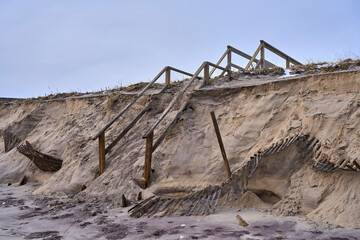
(251, 114)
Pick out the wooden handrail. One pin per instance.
(228, 52)
(263, 63)
(279, 53)
(138, 96)
(130, 104)
(254, 56)
(101, 134)
(177, 97)
(244, 55)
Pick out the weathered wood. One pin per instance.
(229, 59)
(253, 57)
(167, 77)
(262, 57)
(244, 55)
(241, 221)
(128, 127)
(222, 148)
(182, 72)
(134, 208)
(43, 161)
(219, 61)
(236, 66)
(102, 153)
(206, 74)
(279, 53)
(148, 156)
(287, 63)
(356, 164)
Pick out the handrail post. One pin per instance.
(102, 153)
(206, 73)
(229, 58)
(167, 77)
(148, 155)
(287, 63)
(262, 57)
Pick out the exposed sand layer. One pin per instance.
(252, 114)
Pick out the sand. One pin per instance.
(252, 114)
(24, 216)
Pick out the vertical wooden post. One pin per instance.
(148, 155)
(167, 77)
(262, 57)
(229, 59)
(102, 152)
(217, 131)
(287, 63)
(206, 73)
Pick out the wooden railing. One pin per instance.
(228, 54)
(205, 67)
(149, 135)
(262, 63)
(103, 150)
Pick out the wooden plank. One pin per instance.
(148, 155)
(221, 144)
(236, 66)
(129, 104)
(253, 57)
(123, 133)
(206, 74)
(102, 153)
(219, 61)
(180, 71)
(279, 53)
(244, 55)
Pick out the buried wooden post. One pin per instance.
(227, 167)
(102, 152)
(206, 74)
(148, 155)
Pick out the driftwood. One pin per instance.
(41, 160)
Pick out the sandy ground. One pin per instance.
(24, 216)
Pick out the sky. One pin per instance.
(48, 47)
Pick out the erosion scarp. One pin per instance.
(254, 114)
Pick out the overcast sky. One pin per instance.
(53, 46)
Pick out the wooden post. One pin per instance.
(102, 153)
(148, 155)
(206, 73)
(262, 57)
(287, 63)
(229, 59)
(167, 77)
(227, 167)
